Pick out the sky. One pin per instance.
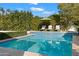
(38, 9)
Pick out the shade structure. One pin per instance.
(73, 29)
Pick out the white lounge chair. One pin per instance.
(43, 27)
(57, 27)
(50, 27)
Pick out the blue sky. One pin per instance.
(38, 9)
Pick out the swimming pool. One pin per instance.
(47, 43)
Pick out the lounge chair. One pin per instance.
(43, 28)
(49, 27)
(57, 28)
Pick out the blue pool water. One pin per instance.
(46, 43)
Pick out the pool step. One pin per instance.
(35, 48)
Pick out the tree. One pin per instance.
(29, 17)
(35, 22)
(69, 13)
(56, 18)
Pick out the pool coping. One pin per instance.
(27, 53)
(49, 31)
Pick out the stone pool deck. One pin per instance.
(31, 54)
(13, 52)
(75, 45)
(10, 52)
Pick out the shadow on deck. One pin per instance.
(4, 36)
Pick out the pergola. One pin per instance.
(45, 22)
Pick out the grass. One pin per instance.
(11, 35)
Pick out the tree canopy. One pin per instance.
(15, 20)
(69, 13)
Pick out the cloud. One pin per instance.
(34, 3)
(19, 9)
(36, 9)
(47, 12)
